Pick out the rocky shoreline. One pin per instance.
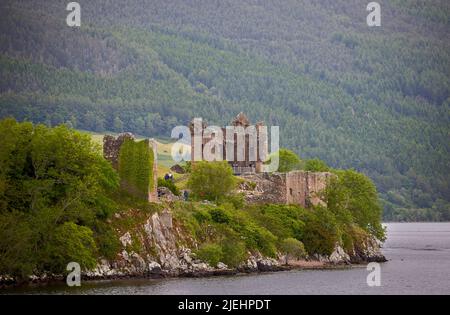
(167, 253)
(8, 282)
(154, 271)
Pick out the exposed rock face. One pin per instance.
(369, 251)
(164, 193)
(159, 248)
(167, 251)
(177, 169)
(297, 187)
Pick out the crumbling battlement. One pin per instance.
(297, 187)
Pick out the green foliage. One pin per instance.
(211, 253)
(136, 168)
(288, 161)
(170, 185)
(17, 252)
(321, 232)
(55, 185)
(353, 195)
(316, 165)
(107, 240)
(292, 247)
(219, 215)
(283, 221)
(132, 77)
(69, 243)
(234, 251)
(212, 181)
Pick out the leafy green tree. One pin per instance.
(211, 180)
(211, 253)
(316, 165)
(55, 184)
(69, 242)
(321, 232)
(354, 195)
(292, 248)
(288, 161)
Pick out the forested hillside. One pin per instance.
(375, 99)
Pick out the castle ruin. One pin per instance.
(240, 166)
(112, 151)
(296, 187)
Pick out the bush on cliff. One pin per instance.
(210, 253)
(169, 184)
(212, 181)
(353, 198)
(292, 248)
(288, 161)
(321, 232)
(55, 186)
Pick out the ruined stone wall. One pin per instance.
(111, 151)
(111, 147)
(304, 188)
(153, 194)
(297, 187)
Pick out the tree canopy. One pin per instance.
(54, 196)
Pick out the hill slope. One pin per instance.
(376, 99)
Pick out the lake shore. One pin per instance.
(49, 280)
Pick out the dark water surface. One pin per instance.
(419, 263)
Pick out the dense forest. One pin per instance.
(374, 99)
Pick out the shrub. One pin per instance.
(321, 232)
(211, 180)
(288, 161)
(210, 253)
(292, 247)
(170, 185)
(316, 165)
(234, 251)
(70, 243)
(220, 215)
(282, 220)
(202, 216)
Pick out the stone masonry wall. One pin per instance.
(111, 150)
(297, 187)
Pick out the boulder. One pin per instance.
(178, 169)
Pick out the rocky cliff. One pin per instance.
(161, 247)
